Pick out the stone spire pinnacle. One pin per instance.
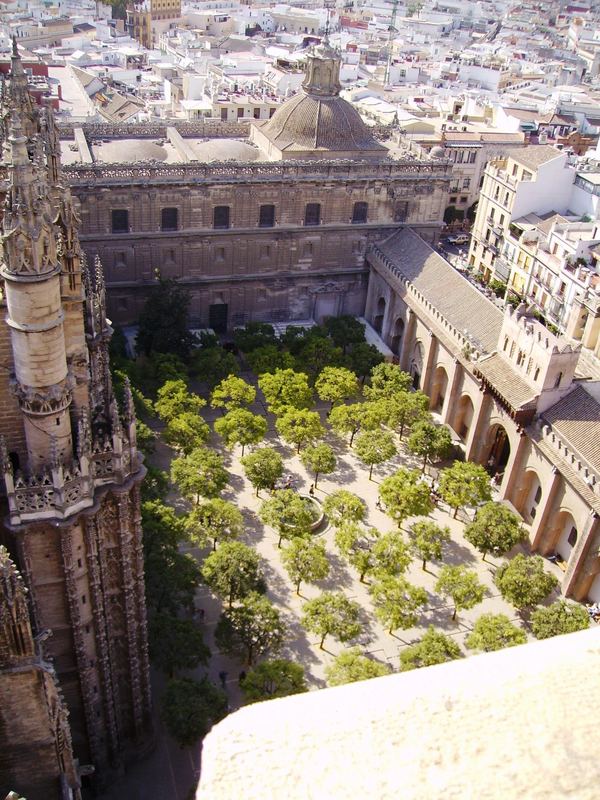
(18, 94)
(28, 238)
(16, 638)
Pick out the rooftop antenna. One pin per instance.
(391, 32)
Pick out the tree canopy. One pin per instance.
(305, 560)
(263, 468)
(429, 441)
(320, 459)
(240, 426)
(186, 432)
(233, 571)
(336, 384)
(284, 388)
(199, 474)
(342, 507)
(495, 528)
(461, 585)
(523, 582)
(288, 513)
(349, 419)
(345, 330)
(427, 540)
(173, 399)
(397, 602)
(434, 648)
(332, 614)
(232, 392)
(559, 618)
(215, 519)
(464, 484)
(494, 632)
(190, 709)
(175, 644)
(163, 320)
(375, 447)
(351, 666)
(299, 427)
(387, 380)
(250, 629)
(403, 410)
(274, 678)
(405, 495)
(391, 555)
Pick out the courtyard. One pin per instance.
(173, 771)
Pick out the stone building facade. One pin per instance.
(33, 715)
(511, 391)
(266, 221)
(71, 469)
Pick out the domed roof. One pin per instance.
(225, 150)
(437, 152)
(317, 122)
(122, 151)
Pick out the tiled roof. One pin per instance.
(309, 122)
(576, 418)
(455, 298)
(535, 155)
(506, 381)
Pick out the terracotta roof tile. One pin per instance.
(506, 381)
(457, 300)
(576, 418)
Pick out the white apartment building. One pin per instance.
(535, 179)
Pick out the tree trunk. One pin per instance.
(279, 542)
(352, 435)
(243, 446)
(257, 490)
(298, 587)
(455, 610)
(316, 479)
(484, 555)
(298, 450)
(322, 640)
(214, 545)
(370, 471)
(401, 431)
(424, 563)
(362, 576)
(455, 513)
(424, 465)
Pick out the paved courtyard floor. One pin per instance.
(171, 773)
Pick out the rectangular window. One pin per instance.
(271, 112)
(312, 214)
(359, 212)
(266, 216)
(120, 220)
(256, 113)
(221, 217)
(240, 113)
(168, 219)
(223, 115)
(466, 183)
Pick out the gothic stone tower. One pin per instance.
(69, 458)
(36, 754)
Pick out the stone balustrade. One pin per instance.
(64, 489)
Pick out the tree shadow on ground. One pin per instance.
(297, 647)
(278, 590)
(343, 473)
(456, 553)
(339, 574)
(254, 530)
